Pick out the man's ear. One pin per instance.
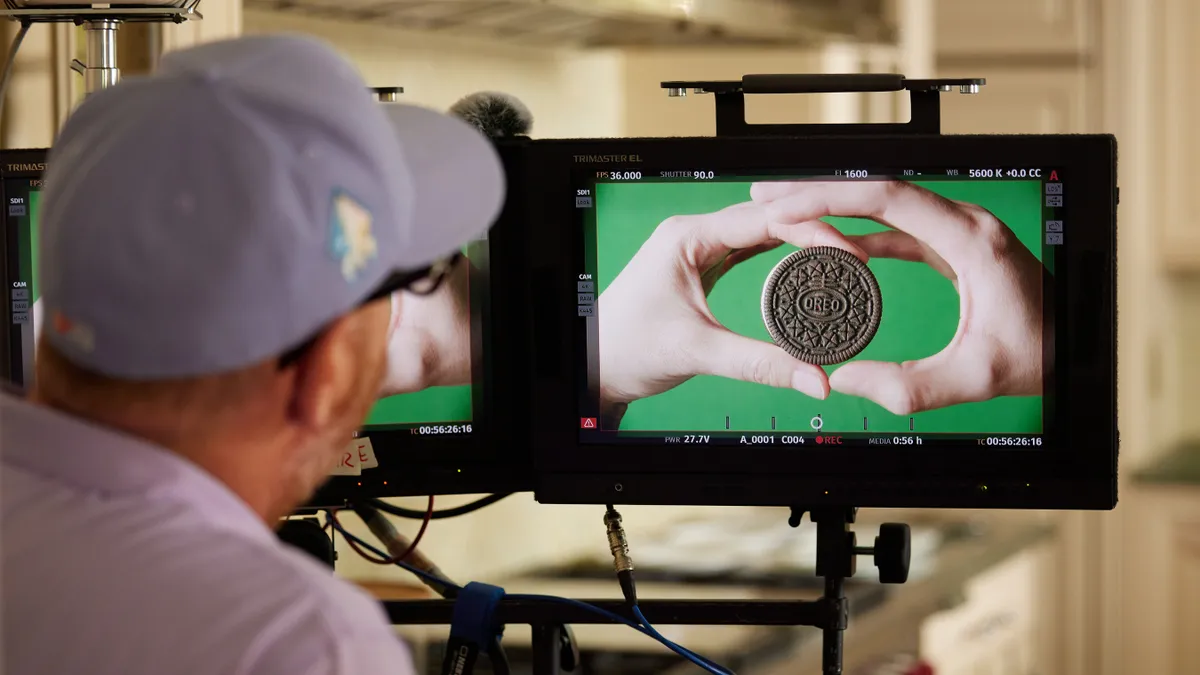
(325, 375)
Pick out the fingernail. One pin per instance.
(830, 239)
(807, 382)
(760, 192)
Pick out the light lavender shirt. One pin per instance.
(119, 558)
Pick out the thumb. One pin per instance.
(727, 354)
(903, 388)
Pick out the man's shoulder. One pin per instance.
(346, 605)
(337, 629)
(271, 608)
(323, 624)
(279, 575)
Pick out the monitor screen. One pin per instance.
(22, 185)
(867, 295)
(435, 355)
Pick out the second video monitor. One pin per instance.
(436, 428)
(442, 427)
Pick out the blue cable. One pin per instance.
(645, 628)
(679, 649)
(420, 573)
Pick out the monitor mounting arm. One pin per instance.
(731, 103)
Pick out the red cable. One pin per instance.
(400, 558)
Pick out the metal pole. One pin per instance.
(101, 69)
(387, 94)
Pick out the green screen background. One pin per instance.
(35, 199)
(920, 316)
(436, 404)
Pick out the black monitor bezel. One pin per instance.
(10, 161)
(1081, 475)
(496, 457)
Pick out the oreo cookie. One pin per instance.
(822, 305)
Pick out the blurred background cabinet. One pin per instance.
(1039, 57)
(1014, 28)
(1178, 30)
(997, 628)
(1165, 578)
(1019, 101)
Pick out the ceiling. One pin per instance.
(617, 23)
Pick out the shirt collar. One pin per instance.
(91, 458)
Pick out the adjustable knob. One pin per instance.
(568, 650)
(893, 552)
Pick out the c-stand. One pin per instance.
(837, 551)
(100, 23)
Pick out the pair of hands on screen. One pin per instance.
(657, 330)
(429, 340)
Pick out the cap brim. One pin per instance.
(458, 184)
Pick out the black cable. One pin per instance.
(622, 562)
(401, 512)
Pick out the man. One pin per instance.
(219, 244)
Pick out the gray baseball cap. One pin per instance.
(225, 209)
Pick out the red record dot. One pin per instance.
(820, 440)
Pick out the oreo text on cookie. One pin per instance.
(822, 305)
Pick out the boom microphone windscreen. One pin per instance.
(495, 114)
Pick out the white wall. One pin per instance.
(575, 93)
(571, 94)
(37, 98)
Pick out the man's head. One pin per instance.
(218, 244)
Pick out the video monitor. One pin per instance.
(433, 433)
(918, 321)
(451, 422)
(20, 192)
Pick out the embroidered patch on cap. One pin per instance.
(77, 334)
(351, 240)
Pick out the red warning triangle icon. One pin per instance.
(1053, 175)
(589, 423)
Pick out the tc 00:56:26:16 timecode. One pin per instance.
(440, 429)
(1011, 441)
